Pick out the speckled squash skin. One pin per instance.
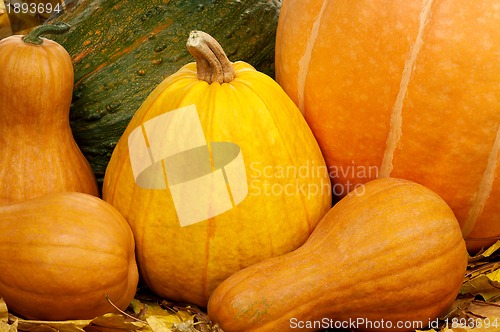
(122, 49)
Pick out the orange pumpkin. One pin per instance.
(388, 253)
(406, 88)
(63, 254)
(38, 153)
(217, 170)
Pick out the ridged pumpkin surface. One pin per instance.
(390, 251)
(276, 216)
(62, 254)
(407, 89)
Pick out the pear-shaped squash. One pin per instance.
(216, 171)
(388, 256)
(63, 254)
(38, 153)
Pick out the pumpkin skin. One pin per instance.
(38, 153)
(62, 253)
(407, 89)
(390, 250)
(122, 49)
(252, 111)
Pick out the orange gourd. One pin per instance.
(217, 170)
(389, 253)
(402, 88)
(37, 151)
(62, 255)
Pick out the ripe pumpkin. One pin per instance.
(407, 89)
(391, 250)
(38, 153)
(62, 254)
(122, 49)
(242, 127)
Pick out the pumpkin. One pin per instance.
(63, 254)
(122, 49)
(217, 170)
(406, 89)
(38, 153)
(390, 251)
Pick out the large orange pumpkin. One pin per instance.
(406, 88)
(215, 134)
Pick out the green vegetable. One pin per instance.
(121, 49)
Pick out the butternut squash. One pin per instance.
(390, 251)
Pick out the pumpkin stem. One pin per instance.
(212, 64)
(34, 37)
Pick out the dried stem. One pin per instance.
(123, 312)
(212, 63)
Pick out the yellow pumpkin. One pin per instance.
(217, 170)
(404, 88)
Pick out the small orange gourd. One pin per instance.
(62, 255)
(390, 251)
(38, 153)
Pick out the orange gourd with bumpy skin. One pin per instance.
(406, 88)
(62, 255)
(281, 166)
(38, 154)
(390, 251)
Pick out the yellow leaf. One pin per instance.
(137, 306)
(6, 327)
(4, 313)
(157, 324)
(477, 269)
(184, 315)
(484, 285)
(159, 312)
(487, 253)
(61, 326)
(458, 306)
(494, 276)
(117, 321)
